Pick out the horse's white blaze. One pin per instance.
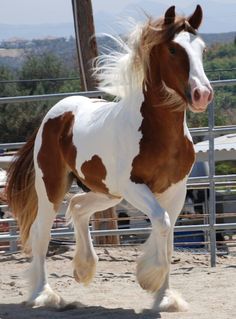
(194, 47)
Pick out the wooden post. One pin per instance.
(87, 51)
(108, 224)
(85, 40)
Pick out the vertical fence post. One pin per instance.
(212, 202)
(206, 219)
(85, 40)
(110, 223)
(12, 232)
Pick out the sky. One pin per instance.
(219, 13)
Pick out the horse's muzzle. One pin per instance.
(201, 96)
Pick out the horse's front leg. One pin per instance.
(81, 207)
(172, 200)
(153, 265)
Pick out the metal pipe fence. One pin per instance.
(43, 97)
(66, 232)
(210, 181)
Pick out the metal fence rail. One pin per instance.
(210, 181)
(130, 231)
(43, 97)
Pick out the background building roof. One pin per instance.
(225, 148)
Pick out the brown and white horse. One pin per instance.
(138, 148)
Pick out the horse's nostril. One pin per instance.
(196, 95)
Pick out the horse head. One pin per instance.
(176, 60)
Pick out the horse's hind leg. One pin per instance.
(81, 207)
(41, 294)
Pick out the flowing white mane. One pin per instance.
(120, 72)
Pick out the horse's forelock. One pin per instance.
(156, 32)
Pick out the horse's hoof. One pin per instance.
(84, 271)
(47, 298)
(170, 301)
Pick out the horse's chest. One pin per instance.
(161, 165)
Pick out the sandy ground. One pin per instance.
(115, 293)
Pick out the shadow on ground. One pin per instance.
(19, 311)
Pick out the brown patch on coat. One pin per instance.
(166, 155)
(56, 157)
(94, 172)
(57, 160)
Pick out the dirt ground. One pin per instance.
(115, 293)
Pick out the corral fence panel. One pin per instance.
(210, 225)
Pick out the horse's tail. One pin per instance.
(20, 189)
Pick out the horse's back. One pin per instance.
(73, 104)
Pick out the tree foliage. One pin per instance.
(19, 120)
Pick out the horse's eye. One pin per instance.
(172, 50)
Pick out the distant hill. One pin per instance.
(29, 32)
(66, 30)
(14, 50)
(212, 38)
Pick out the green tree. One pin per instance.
(18, 121)
(6, 89)
(44, 66)
(10, 89)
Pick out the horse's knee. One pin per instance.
(77, 206)
(162, 226)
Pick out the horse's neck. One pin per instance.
(159, 120)
(166, 152)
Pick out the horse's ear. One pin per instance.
(170, 15)
(196, 18)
